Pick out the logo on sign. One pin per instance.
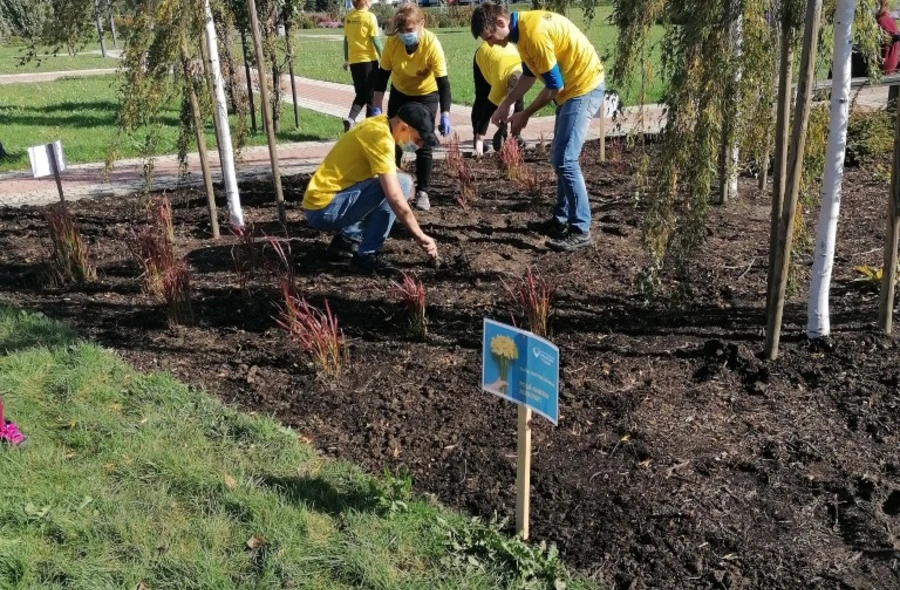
(542, 356)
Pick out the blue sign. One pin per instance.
(521, 367)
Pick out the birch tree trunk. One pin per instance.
(249, 81)
(112, 24)
(818, 321)
(226, 151)
(99, 27)
(729, 150)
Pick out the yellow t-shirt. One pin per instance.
(547, 39)
(359, 28)
(414, 75)
(496, 64)
(367, 150)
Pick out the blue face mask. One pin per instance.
(408, 146)
(409, 39)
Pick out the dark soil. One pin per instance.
(681, 460)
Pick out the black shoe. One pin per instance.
(575, 240)
(369, 264)
(341, 247)
(551, 228)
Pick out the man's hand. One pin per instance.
(346, 66)
(428, 244)
(501, 115)
(518, 122)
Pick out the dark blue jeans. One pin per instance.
(573, 118)
(360, 213)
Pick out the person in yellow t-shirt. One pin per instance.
(556, 50)
(362, 49)
(496, 71)
(414, 57)
(357, 192)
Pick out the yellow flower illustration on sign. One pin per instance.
(504, 351)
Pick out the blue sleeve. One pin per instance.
(553, 79)
(526, 71)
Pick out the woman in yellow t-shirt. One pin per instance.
(496, 71)
(415, 59)
(362, 48)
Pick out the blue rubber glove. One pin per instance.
(375, 112)
(444, 126)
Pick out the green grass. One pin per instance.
(132, 479)
(82, 113)
(10, 61)
(321, 59)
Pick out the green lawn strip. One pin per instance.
(133, 479)
(10, 61)
(82, 112)
(321, 59)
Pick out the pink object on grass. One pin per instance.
(9, 432)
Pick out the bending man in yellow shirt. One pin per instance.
(496, 71)
(362, 48)
(357, 193)
(415, 59)
(556, 50)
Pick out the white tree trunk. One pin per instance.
(225, 149)
(818, 324)
(737, 47)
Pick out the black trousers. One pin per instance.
(424, 155)
(484, 109)
(363, 75)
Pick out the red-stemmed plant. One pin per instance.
(411, 294)
(69, 261)
(533, 296)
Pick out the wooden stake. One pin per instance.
(523, 472)
(782, 120)
(891, 235)
(249, 81)
(289, 52)
(266, 108)
(778, 286)
(54, 165)
(603, 131)
(201, 146)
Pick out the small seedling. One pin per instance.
(316, 332)
(68, 261)
(411, 293)
(458, 168)
(285, 269)
(512, 159)
(533, 296)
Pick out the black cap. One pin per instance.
(417, 116)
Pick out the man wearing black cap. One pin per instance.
(357, 192)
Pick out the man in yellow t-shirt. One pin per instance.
(496, 71)
(556, 50)
(362, 49)
(357, 193)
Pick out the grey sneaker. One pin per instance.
(575, 240)
(551, 228)
(422, 202)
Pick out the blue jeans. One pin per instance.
(573, 117)
(360, 213)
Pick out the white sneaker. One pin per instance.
(422, 202)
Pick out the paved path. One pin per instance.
(50, 76)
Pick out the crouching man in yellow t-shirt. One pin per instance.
(357, 193)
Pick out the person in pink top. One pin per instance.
(891, 49)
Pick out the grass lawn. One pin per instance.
(138, 481)
(82, 113)
(9, 61)
(321, 59)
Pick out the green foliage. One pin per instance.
(23, 18)
(869, 134)
(477, 547)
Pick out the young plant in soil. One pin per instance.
(533, 297)
(287, 276)
(458, 168)
(411, 293)
(246, 255)
(512, 160)
(69, 261)
(166, 278)
(316, 332)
